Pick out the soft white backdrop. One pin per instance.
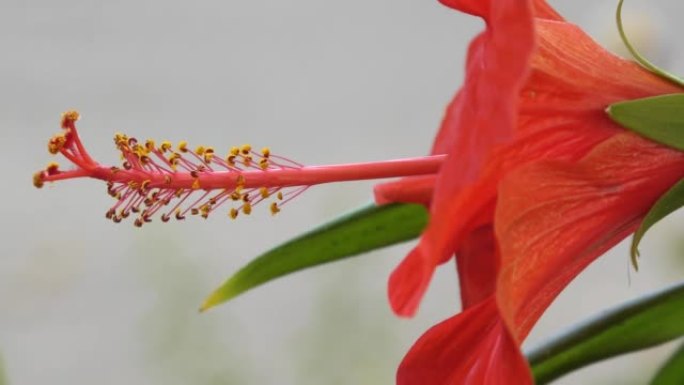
(86, 301)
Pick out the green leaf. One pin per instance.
(672, 373)
(659, 118)
(667, 204)
(636, 325)
(363, 230)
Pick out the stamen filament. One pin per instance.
(149, 180)
(255, 178)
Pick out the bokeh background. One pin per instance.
(83, 300)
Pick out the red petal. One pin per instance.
(574, 213)
(408, 282)
(478, 263)
(472, 348)
(561, 116)
(573, 74)
(417, 189)
(482, 116)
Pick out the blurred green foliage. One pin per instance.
(360, 231)
(642, 323)
(352, 336)
(182, 347)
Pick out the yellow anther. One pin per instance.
(183, 146)
(194, 211)
(265, 152)
(230, 159)
(245, 149)
(133, 185)
(263, 163)
(208, 154)
(69, 117)
(195, 184)
(139, 150)
(234, 151)
(120, 139)
(150, 145)
(52, 168)
(165, 146)
(145, 184)
(245, 197)
(205, 209)
(264, 192)
(247, 208)
(280, 195)
(173, 159)
(235, 196)
(274, 208)
(56, 143)
(239, 182)
(38, 180)
(200, 150)
(178, 193)
(178, 215)
(233, 213)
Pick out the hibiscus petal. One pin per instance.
(573, 74)
(477, 263)
(482, 116)
(561, 116)
(472, 348)
(574, 213)
(417, 189)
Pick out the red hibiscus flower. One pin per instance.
(538, 183)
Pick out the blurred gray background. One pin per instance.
(86, 301)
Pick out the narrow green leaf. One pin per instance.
(636, 325)
(363, 230)
(659, 118)
(672, 373)
(667, 204)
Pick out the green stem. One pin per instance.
(638, 57)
